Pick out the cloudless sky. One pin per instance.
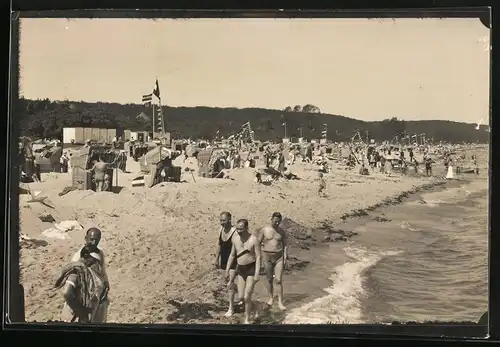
(365, 69)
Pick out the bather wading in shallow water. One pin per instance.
(223, 250)
(274, 255)
(246, 250)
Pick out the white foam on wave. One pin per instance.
(453, 195)
(406, 225)
(434, 203)
(342, 305)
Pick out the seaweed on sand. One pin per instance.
(392, 200)
(189, 311)
(334, 234)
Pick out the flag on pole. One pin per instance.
(246, 132)
(147, 99)
(156, 91)
(283, 121)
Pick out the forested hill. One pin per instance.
(45, 118)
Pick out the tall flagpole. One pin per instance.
(162, 118)
(154, 119)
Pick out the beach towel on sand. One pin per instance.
(91, 283)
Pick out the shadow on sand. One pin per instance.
(116, 190)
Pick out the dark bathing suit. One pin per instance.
(247, 270)
(225, 251)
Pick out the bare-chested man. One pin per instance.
(223, 250)
(100, 168)
(92, 239)
(274, 255)
(246, 249)
(83, 288)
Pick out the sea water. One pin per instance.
(428, 262)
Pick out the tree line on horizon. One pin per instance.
(47, 118)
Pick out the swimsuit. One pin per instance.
(270, 259)
(225, 250)
(247, 270)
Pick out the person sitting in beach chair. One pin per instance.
(363, 170)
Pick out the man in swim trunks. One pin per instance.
(246, 250)
(99, 170)
(274, 255)
(223, 250)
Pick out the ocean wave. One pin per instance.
(407, 226)
(454, 195)
(343, 302)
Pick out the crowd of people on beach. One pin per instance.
(239, 253)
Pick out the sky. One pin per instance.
(412, 69)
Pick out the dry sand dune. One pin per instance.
(159, 241)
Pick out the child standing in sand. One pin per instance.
(322, 184)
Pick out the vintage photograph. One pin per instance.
(253, 171)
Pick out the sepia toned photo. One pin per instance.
(254, 171)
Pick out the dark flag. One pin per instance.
(156, 91)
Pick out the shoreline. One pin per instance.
(318, 238)
(152, 238)
(375, 213)
(201, 313)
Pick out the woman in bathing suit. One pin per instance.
(225, 249)
(224, 246)
(246, 250)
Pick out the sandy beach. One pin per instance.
(159, 242)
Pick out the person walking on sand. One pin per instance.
(84, 290)
(273, 239)
(449, 174)
(223, 250)
(92, 239)
(246, 250)
(428, 165)
(322, 185)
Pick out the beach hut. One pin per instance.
(207, 160)
(82, 161)
(149, 160)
